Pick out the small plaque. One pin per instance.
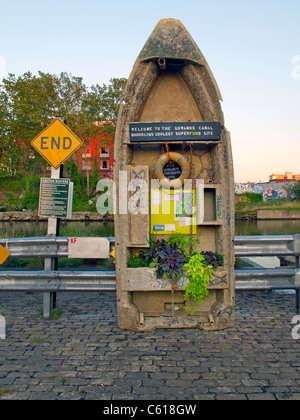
(172, 170)
(54, 197)
(158, 228)
(89, 248)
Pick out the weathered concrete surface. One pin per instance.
(277, 214)
(184, 91)
(84, 355)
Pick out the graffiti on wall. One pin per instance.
(269, 191)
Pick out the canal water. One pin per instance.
(267, 227)
(93, 228)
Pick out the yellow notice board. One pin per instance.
(173, 211)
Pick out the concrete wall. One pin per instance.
(277, 215)
(269, 190)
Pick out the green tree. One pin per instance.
(28, 103)
(102, 102)
(295, 188)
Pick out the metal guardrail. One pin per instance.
(58, 281)
(56, 247)
(266, 246)
(44, 247)
(53, 246)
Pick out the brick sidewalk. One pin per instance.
(84, 355)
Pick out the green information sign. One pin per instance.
(54, 198)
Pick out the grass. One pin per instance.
(67, 229)
(241, 263)
(17, 192)
(5, 391)
(54, 377)
(37, 340)
(248, 208)
(38, 263)
(57, 313)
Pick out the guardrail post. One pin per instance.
(296, 245)
(49, 297)
(297, 288)
(48, 304)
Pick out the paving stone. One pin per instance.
(84, 355)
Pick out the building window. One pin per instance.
(104, 164)
(104, 152)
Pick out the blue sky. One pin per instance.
(252, 48)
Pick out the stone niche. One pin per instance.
(171, 82)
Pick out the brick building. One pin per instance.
(97, 152)
(287, 177)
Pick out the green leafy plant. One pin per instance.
(295, 190)
(199, 276)
(187, 244)
(32, 191)
(175, 258)
(167, 258)
(213, 259)
(137, 260)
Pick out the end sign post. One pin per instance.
(55, 144)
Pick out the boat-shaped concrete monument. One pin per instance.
(172, 152)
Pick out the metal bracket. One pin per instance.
(297, 279)
(295, 245)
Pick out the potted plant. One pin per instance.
(175, 259)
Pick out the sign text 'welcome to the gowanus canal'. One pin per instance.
(174, 131)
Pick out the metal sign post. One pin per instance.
(50, 264)
(55, 143)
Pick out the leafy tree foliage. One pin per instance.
(28, 103)
(295, 188)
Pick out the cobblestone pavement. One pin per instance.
(82, 354)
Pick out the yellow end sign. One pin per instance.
(4, 254)
(56, 143)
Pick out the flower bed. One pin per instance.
(174, 264)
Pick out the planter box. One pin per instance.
(145, 280)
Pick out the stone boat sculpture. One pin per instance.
(170, 97)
